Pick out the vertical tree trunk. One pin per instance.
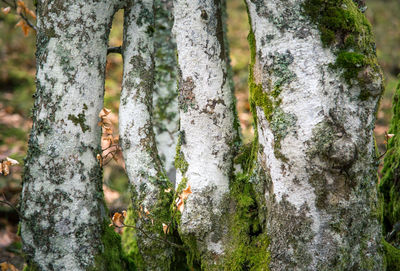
(145, 171)
(206, 141)
(165, 98)
(63, 225)
(314, 85)
(389, 189)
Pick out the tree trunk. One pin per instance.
(64, 224)
(145, 171)
(165, 97)
(301, 197)
(314, 87)
(207, 134)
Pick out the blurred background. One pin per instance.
(17, 85)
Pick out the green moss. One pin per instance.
(112, 256)
(352, 62)
(180, 162)
(345, 29)
(389, 186)
(392, 256)
(31, 267)
(79, 120)
(129, 242)
(248, 249)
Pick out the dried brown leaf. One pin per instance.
(5, 10)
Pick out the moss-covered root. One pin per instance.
(392, 257)
(112, 256)
(389, 188)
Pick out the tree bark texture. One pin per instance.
(145, 170)
(165, 94)
(63, 225)
(314, 87)
(302, 197)
(205, 150)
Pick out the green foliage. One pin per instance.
(392, 256)
(129, 242)
(180, 162)
(112, 257)
(389, 186)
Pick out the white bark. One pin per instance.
(62, 200)
(165, 98)
(205, 153)
(143, 165)
(316, 144)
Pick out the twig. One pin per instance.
(28, 22)
(5, 201)
(392, 234)
(150, 237)
(116, 50)
(14, 6)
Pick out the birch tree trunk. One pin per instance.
(207, 135)
(147, 176)
(314, 87)
(64, 224)
(165, 94)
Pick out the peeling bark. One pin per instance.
(315, 96)
(62, 200)
(207, 134)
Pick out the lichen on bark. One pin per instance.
(62, 198)
(316, 151)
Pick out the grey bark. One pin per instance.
(315, 121)
(62, 201)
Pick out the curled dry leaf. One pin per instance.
(22, 7)
(165, 228)
(180, 201)
(12, 161)
(100, 159)
(5, 10)
(24, 26)
(6, 164)
(6, 169)
(104, 112)
(118, 219)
